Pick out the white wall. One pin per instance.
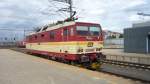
(114, 43)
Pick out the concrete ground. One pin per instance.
(19, 68)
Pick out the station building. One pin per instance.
(137, 38)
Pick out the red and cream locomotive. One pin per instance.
(75, 42)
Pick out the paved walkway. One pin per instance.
(120, 52)
(19, 68)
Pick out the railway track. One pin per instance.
(112, 62)
(129, 64)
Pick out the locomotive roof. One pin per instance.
(56, 26)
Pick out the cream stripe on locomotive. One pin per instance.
(75, 47)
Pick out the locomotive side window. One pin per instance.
(82, 30)
(65, 32)
(94, 31)
(52, 35)
(42, 35)
(30, 38)
(71, 32)
(35, 36)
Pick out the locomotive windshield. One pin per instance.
(94, 31)
(85, 30)
(82, 30)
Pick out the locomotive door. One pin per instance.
(65, 34)
(148, 43)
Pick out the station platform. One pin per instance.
(20, 68)
(120, 55)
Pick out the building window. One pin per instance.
(52, 35)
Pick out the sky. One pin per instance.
(113, 15)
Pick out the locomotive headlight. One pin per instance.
(80, 50)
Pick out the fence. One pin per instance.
(114, 43)
(10, 37)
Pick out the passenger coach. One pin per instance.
(78, 42)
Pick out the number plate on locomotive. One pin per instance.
(90, 44)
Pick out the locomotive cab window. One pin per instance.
(94, 31)
(82, 30)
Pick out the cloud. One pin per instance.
(111, 14)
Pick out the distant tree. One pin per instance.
(113, 36)
(109, 37)
(121, 36)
